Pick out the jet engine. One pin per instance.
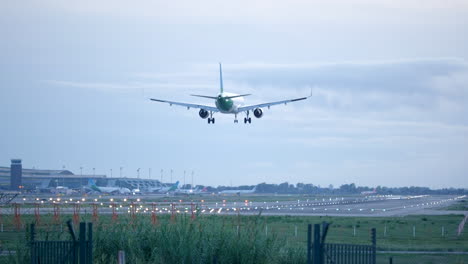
(203, 113)
(258, 112)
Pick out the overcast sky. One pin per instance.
(390, 83)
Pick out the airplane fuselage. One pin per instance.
(228, 105)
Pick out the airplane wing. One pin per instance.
(206, 107)
(251, 107)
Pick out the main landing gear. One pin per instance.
(211, 118)
(247, 119)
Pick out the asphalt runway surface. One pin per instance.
(364, 206)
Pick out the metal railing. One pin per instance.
(75, 251)
(319, 252)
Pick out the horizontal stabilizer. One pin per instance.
(225, 97)
(235, 96)
(205, 96)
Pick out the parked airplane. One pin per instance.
(228, 103)
(61, 190)
(238, 192)
(369, 192)
(165, 189)
(192, 191)
(112, 190)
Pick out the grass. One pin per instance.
(251, 239)
(461, 205)
(422, 258)
(181, 241)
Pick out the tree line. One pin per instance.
(302, 188)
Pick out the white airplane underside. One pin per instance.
(229, 103)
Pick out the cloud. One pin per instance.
(263, 11)
(411, 90)
(402, 87)
(356, 105)
(133, 86)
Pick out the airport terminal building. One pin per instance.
(17, 178)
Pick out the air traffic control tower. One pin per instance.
(16, 174)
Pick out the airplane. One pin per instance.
(165, 189)
(61, 190)
(238, 192)
(369, 192)
(112, 190)
(229, 103)
(192, 191)
(203, 191)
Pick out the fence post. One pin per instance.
(33, 249)
(32, 232)
(374, 245)
(121, 257)
(82, 243)
(317, 247)
(309, 244)
(71, 230)
(89, 248)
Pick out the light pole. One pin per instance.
(171, 175)
(81, 179)
(94, 172)
(111, 172)
(149, 173)
(184, 180)
(192, 181)
(120, 181)
(162, 171)
(138, 173)
(63, 176)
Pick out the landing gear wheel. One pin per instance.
(250, 120)
(236, 121)
(211, 120)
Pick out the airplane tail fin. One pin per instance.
(91, 182)
(175, 186)
(220, 78)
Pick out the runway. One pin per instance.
(364, 206)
